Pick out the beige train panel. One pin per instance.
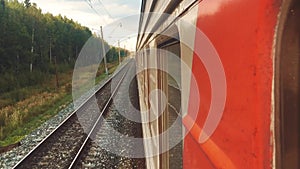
(148, 83)
(187, 39)
(161, 6)
(140, 77)
(182, 7)
(148, 80)
(148, 5)
(152, 82)
(152, 79)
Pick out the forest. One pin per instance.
(38, 52)
(33, 45)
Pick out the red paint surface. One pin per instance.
(242, 32)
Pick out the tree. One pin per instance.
(2, 3)
(16, 30)
(27, 3)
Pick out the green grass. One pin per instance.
(38, 115)
(20, 119)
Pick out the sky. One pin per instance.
(119, 18)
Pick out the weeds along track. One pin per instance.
(60, 147)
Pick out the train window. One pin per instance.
(288, 91)
(169, 51)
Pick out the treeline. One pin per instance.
(34, 46)
(26, 37)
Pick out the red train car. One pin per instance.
(235, 89)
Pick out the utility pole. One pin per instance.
(3, 4)
(18, 61)
(119, 52)
(56, 73)
(125, 54)
(103, 49)
(76, 53)
(50, 50)
(32, 41)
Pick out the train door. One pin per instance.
(170, 82)
(163, 119)
(153, 99)
(287, 85)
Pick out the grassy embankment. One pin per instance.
(40, 103)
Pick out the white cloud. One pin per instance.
(80, 11)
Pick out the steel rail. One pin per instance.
(69, 117)
(75, 160)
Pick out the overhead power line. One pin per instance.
(90, 4)
(105, 9)
(119, 25)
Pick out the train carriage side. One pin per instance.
(256, 45)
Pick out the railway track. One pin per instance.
(94, 153)
(62, 146)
